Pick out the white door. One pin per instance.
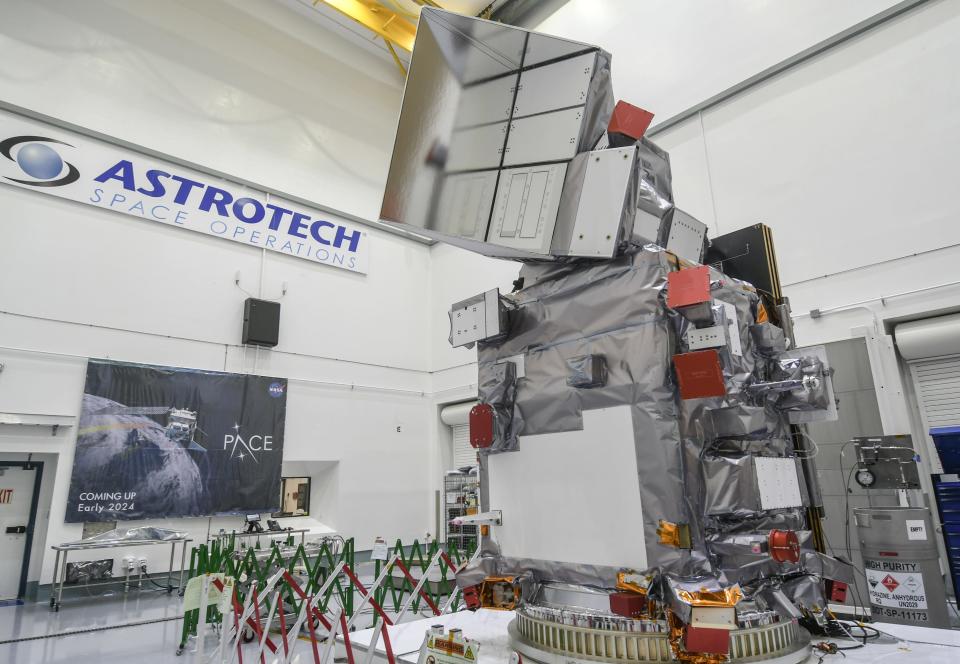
(16, 496)
(457, 417)
(463, 453)
(936, 382)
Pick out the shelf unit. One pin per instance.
(461, 497)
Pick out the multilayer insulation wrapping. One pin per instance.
(138, 534)
(696, 458)
(497, 152)
(614, 309)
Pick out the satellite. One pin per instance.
(647, 494)
(180, 424)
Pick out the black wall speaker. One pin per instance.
(261, 322)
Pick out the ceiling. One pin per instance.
(467, 7)
(328, 16)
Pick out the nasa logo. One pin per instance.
(36, 158)
(276, 390)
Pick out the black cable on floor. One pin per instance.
(90, 629)
(160, 586)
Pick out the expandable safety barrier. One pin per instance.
(314, 567)
(290, 587)
(417, 562)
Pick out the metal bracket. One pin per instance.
(491, 518)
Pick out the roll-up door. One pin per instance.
(932, 350)
(463, 454)
(456, 417)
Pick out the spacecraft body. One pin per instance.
(647, 490)
(611, 485)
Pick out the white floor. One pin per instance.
(138, 627)
(904, 643)
(151, 632)
(34, 624)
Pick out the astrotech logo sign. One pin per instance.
(36, 158)
(56, 162)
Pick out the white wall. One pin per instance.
(829, 150)
(850, 158)
(257, 91)
(670, 55)
(92, 298)
(247, 88)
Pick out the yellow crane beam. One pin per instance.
(383, 21)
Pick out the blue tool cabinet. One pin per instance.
(946, 489)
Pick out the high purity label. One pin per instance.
(44, 159)
(900, 590)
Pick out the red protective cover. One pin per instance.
(629, 120)
(688, 287)
(471, 597)
(630, 605)
(784, 546)
(481, 425)
(837, 591)
(705, 639)
(699, 374)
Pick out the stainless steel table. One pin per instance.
(266, 533)
(63, 550)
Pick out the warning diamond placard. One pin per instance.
(890, 583)
(900, 590)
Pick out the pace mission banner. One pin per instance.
(156, 442)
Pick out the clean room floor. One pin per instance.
(145, 627)
(140, 626)
(32, 633)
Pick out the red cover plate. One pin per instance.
(837, 591)
(629, 120)
(688, 287)
(784, 546)
(471, 597)
(699, 374)
(630, 605)
(705, 639)
(481, 425)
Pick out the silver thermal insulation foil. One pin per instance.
(695, 458)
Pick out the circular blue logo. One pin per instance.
(37, 159)
(276, 390)
(40, 161)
